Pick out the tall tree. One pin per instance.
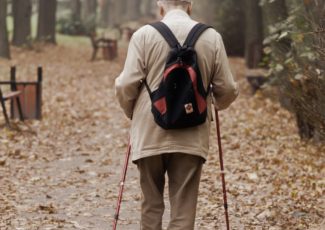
(133, 9)
(253, 33)
(46, 21)
(22, 10)
(148, 7)
(120, 11)
(229, 22)
(89, 14)
(88, 9)
(113, 13)
(4, 43)
(104, 12)
(76, 10)
(227, 17)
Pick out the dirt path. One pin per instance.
(63, 172)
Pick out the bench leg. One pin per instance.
(21, 116)
(5, 113)
(94, 54)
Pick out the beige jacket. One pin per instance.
(146, 58)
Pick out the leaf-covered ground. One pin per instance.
(63, 172)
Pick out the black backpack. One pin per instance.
(180, 100)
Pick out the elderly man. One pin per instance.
(178, 152)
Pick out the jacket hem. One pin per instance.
(137, 156)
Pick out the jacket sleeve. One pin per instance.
(127, 84)
(224, 87)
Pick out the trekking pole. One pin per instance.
(222, 170)
(119, 200)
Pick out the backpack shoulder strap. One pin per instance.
(195, 33)
(166, 33)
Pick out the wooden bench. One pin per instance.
(12, 95)
(25, 97)
(108, 46)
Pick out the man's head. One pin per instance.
(167, 5)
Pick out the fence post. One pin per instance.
(39, 93)
(12, 80)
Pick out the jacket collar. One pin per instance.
(176, 13)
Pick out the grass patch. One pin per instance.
(72, 40)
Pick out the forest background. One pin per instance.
(62, 171)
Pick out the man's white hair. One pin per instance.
(172, 4)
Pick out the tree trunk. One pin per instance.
(253, 33)
(120, 11)
(76, 10)
(89, 14)
(227, 16)
(22, 10)
(46, 21)
(4, 43)
(112, 12)
(88, 9)
(230, 23)
(104, 12)
(117, 12)
(148, 8)
(133, 9)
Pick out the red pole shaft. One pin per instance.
(118, 205)
(222, 170)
